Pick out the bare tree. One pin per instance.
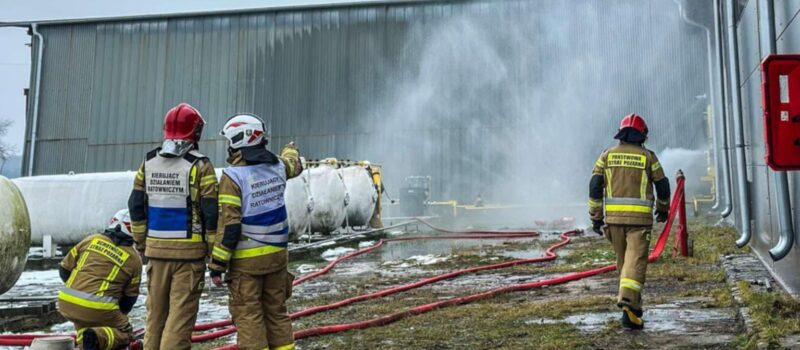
(6, 150)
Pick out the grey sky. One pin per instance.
(15, 57)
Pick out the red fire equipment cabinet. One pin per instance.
(780, 97)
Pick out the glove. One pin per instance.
(661, 216)
(216, 278)
(597, 226)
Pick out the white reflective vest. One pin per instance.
(169, 202)
(264, 217)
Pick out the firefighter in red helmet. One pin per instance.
(621, 204)
(173, 208)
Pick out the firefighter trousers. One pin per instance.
(258, 308)
(631, 245)
(174, 289)
(111, 326)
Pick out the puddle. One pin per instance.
(674, 319)
(407, 249)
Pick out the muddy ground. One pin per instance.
(688, 304)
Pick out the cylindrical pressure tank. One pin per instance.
(328, 191)
(15, 234)
(362, 193)
(299, 204)
(71, 207)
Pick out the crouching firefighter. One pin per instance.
(253, 235)
(173, 204)
(622, 186)
(102, 276)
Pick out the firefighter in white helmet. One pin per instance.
(253, 235)
(101, 276)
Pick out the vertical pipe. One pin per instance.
(786, 240)
(738, 124)
(723, 115)
(712, 93)
(38, 80)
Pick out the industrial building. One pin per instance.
(375, 81)
(483, 96)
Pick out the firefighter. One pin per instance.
(101, 276)
(622, 186)
(377, 181)
(253, 235)
(173, 204)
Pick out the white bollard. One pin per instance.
(53, 343)
(47, 247)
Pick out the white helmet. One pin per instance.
(121, 219)
(243, 130)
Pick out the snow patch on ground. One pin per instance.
(334, 253)
(365, 244)
(417, 260)
(306, 268)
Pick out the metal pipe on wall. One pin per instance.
(725, 172)
(38, 79)
(785, 225)
(712, 93)
(738, 124)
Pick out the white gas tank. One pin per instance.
(15, 233)
(328, 190)
(362, 193)
(299, 204)
(71, 207)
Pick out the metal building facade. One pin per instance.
(327, 78)
(752, 48)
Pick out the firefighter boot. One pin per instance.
(632, 318)
(90, 341)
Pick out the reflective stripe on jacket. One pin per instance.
(101, 273)
(628, 172)
(265, 228)
(172, 224)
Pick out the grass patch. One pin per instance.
(775, 315)
(499, 323)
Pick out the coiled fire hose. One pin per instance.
(26, 339)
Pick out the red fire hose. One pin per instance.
(657, 250)
(25, 339)
(470, 234)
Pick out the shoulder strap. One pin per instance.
(153, 153)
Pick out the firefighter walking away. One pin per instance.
(621, 204)
(173, 204)
(101, 276)
(253, 235)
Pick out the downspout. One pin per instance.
(38, 79)
(723, 116)
(738, 124)
(785, 225)
(711, 92)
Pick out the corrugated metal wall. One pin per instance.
(460, 90)
(763, 205)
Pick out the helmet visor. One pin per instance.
(177, 148)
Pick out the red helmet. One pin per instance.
(635, 121)
(183, 122)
